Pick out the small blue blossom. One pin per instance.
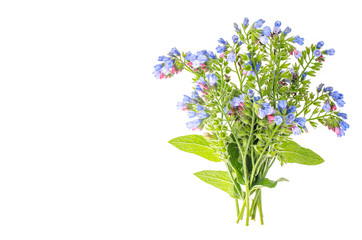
(191, 114)
(180, 105)
(190, 57)
(282, 104)
(267, 31)
(290, 118)
(336, 95)
(186, 99)
(158, 67)
(222, 41)
(291, 109)
(231, 57)
(276, 30)
(344, 125)
(174, 51)
(287, 30)
(301, 121)
(212, 79)
(341, 133)
(299, 40)
(317, 53)
(193, 124)
(340, 102)
(199, 107)
(320, 86)
(330, 52)
(210, 54)
(278, 120)
(202, 58)
(277, 24)
(196, 63)
(259, 23)
(160, 58)
(328, 89)
(326, 107)
(342, 115)
(296, 130)
(298, 55)
(220, 49)
(157, 74)
(239, 43)
(202, 115)
(235, 38)
(251, 93)
(264, 40)
(236, 27)
(201, 80)
(257, 98)
(246, 22)
(194, 95)
(304, 75)
(320, 44)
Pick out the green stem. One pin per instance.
(260, 211)
(237, 207)
(241, 214)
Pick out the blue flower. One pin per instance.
(202, 58)
(257, 98)
(186, 99)
(317, 53)
(330, 52)
(158, 67)
(282, 104)
(220, 49)
(193, 124)
(196, 63)
(235, 102)
(231, 57)
(326, 107)
(287, 30)
(320, 86)
(246, 22)
(341, 133)
(336, 95)
(239, 43)
(211, 55)
(236, 27)
(328, 89)
(235, 38)
(342, 115)
(291, 109)
(298, 55)
(222, 41)
(290, 118)
(190, 57)
(304, 75)
(259, 23)
(344, 125)
(194, 95)
(276, 30)
(198, 88)
(264, 40)
(166, 59)
(165, 70)
(199, 107)
(320, 44)
(157, 74)
(160, 58)
(266, 31)
(202, 115)
(251, 93)
(201, 80)
(180, 105)
(191, 114)
(340, 102)
(277, 24)
(174, 51)
(278, 120)
(212, 79)
(299, 40)
(296, 130)
(301, 121)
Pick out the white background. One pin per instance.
(84, 126)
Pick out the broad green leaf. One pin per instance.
(291, 152)
(219, 179)
(265, 182)
(195, 144)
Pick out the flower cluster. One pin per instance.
(167, 68)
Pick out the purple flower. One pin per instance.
(202, 58)
(251, 93)
(320, 86)
(246, 22)
(222, 41)
(259, 23)
(201, 80)
(299, 40)
(330, 52)
(265, 110)
(320, 44)
(235, 102)
(191, 114)
(236, 27)
(264, 40)
(212, 79)
(220, 49)
(296, 130)
(340, 102)
(211, 55)
(186, 99)
(276, 30)
(301, 121)
(342, 115)
(231, 57)
(326, 107)
(344, 125)
(235, 38)
(317, 53)
(290, 118)
(266, 31)
(196, 63)
(239, 43)
(277, 24)
(278, 120)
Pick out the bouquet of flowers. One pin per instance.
(249, 98)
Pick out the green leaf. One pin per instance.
(219, 179)
(291, 152)
(195, 144)
(265, 182)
